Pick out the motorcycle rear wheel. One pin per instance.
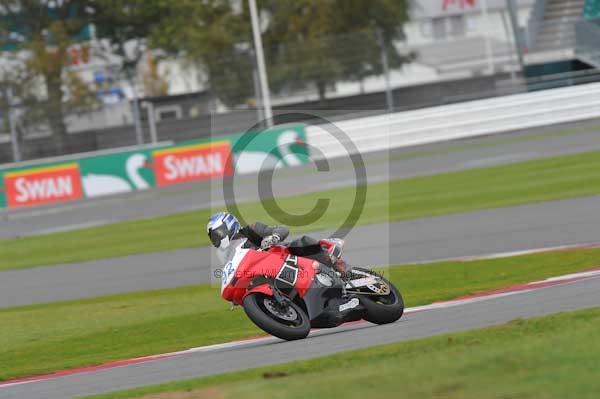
(288, 323)
(383, 309)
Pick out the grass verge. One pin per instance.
(498, 186)
(43, 338)
(546, 357)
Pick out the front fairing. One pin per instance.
(226, 254)
(246, 267)
(243, 266)
(231, 258)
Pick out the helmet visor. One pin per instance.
(217, 235)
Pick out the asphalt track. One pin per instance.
(400, 163)
(485, 312)
(476, 233)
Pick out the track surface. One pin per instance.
(477, 233)
(577, 295)
(406, 162)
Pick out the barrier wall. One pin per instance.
(467, 119)
(120, 172)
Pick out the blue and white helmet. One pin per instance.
(221, 228)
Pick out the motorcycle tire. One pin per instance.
(383, 310)
(256, 306)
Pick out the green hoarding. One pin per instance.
(116, 173)
(127, 171)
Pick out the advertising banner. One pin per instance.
(2, 191)
(127, 171)
(116, 173)
(192, 162)
(275, 148)
(44, 185)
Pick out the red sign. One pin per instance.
(460, 3)
(192, 163)
(43, 185)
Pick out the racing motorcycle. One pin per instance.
(286, 294)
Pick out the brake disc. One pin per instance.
(288, 313)
(381, 288)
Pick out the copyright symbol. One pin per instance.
(218, 273)
(321, 206)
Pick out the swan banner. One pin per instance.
(127, 171)
(193, 162)
(45, 185)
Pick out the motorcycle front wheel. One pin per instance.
(287, 322)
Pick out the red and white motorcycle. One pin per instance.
(286, 295)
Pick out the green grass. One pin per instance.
(499, 186)
(547, 357)
(42, 338)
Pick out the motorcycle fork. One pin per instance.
(281, 297)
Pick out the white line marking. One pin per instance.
(498, 160)
(460, 302)
(510, 254)
(69, 227)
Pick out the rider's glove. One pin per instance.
(269, 241)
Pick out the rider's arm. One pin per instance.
(264, 231)
(281, 231)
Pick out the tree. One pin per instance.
(154, 84)
(307, 42)
(326, 41)
(48, 29)
(317, 42)
(125, 26)
(214, 35)
(12, 83)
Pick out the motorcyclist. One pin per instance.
(223, 227)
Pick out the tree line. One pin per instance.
(307, 43)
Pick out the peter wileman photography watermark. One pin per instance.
(250, 275)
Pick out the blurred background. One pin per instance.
(87, 75)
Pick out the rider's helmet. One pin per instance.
(221, 228)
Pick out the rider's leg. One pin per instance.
(326, 252)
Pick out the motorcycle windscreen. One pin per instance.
(230, 258)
